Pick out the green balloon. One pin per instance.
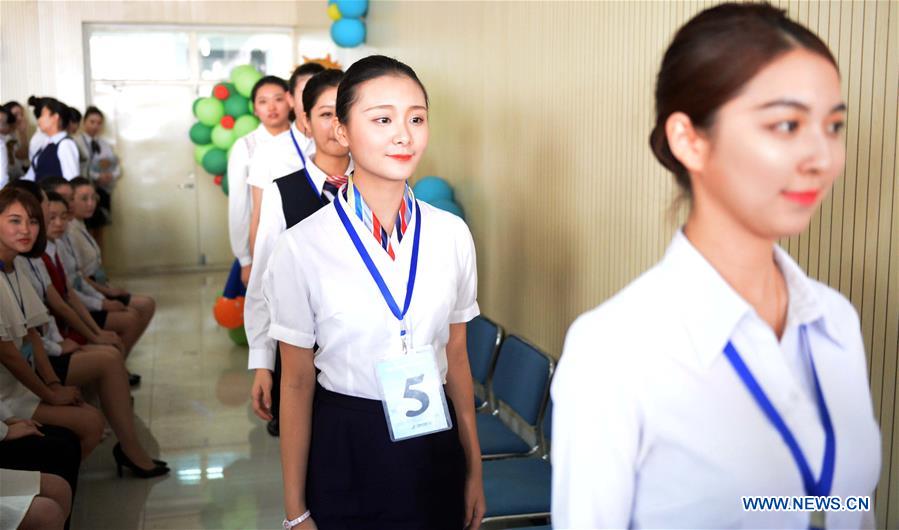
(200, 134)
(245, 125)
(236, 105)
(215, 161)
(238, 336)
(250, 106)
(244, 77)
(200, 151)
(222, 138)
(225, 184)
(194, 107)
(210, 111)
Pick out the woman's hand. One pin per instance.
(475, 502)
(64, 395)
(110, 338)
(21, 430)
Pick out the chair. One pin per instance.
(519, 386)
(520, 488)
(483, 338)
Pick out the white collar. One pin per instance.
(50, 249)
(319, 177)
(58, 136)
(711, 309)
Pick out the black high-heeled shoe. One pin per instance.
(121, 459)
(133, 379)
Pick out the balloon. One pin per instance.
(348, 32)
(334, 12)
(200, 134)
(220, 91)
(210, 111)
(200, 151)
(222, 138)
(227, 122)
(430, 189)
(215, 161)
(239, 337)
(449, 206)
(228, 312)
(244, 77)
(194, 107)
(236, 105)
(218, 180)
(245, 124)
(352, 8)
(225, 184)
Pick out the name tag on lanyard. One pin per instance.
(410, 385)
(412, 395)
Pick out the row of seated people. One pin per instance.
(65, 333)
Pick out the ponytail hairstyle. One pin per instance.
(55, 107)
(709, 61)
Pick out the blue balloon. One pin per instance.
(449, 206)
(352, 8)
(430, 189)
(348, 32)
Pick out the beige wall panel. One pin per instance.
(541, 113)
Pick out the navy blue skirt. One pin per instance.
(358, 479)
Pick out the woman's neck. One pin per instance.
(275, 130)
(382, 195)
(745, 261)
(331, 165)
(51, 132)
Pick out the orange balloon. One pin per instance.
(228, 312)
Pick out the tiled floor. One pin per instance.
(193, 410)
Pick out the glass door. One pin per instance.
(167, 213)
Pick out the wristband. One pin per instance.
(290, 524)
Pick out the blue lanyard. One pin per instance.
(305, 170)
(20, 298)
(373, 270)
(821, 487)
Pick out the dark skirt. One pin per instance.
(358, 479)
(60, 364)
(100, 317)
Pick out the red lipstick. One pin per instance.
(805, 198)
(401, 158)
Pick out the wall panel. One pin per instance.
(548, 107)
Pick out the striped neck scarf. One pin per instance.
(403, 216)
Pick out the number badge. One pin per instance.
(412, 395)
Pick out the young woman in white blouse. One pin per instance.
(725, 371)
(52, 151)
(372, 440)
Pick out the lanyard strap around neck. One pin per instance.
(373, 270)
(19, 296)
(40, 280)
(305, 169)
(822, 486)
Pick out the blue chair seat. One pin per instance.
(517, 486)
(497, 439)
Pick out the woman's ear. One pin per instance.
(340, 133)
(688, 145)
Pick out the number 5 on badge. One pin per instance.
(412, 395)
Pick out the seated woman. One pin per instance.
(87, 252)
(30, 498)
(108, 314)
(21, 314)
(104, 367)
